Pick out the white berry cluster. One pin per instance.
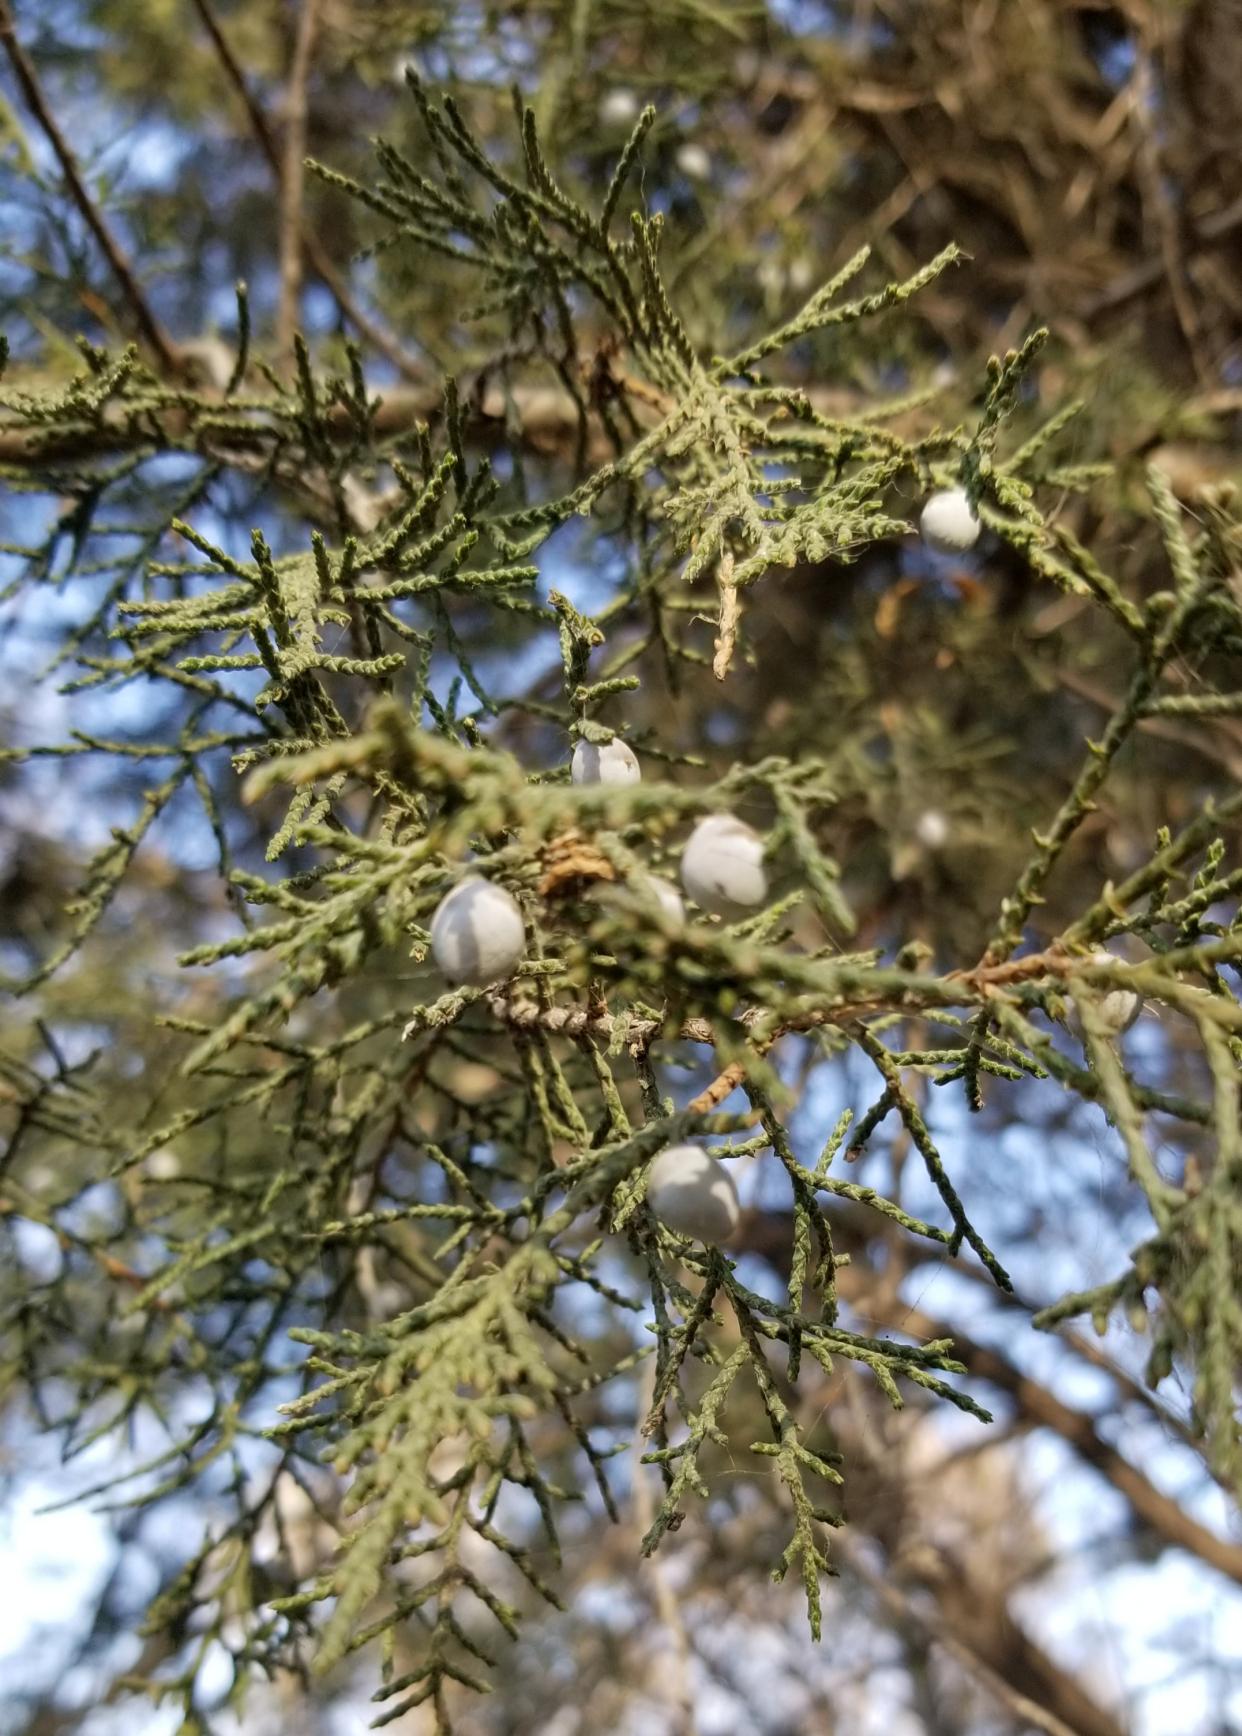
(478, 937)
(477, 932)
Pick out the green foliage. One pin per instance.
(311, 1127)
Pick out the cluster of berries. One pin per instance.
(478, 937)
(477, 932)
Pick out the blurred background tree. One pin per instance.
(1076, 1565)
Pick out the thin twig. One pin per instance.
(236, 76)
(317, 257)
(292, 179)
(574, 1021)
(23, 69)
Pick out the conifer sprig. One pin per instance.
(318, 1117)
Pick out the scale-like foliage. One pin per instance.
(310, 1123)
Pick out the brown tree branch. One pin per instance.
(293, 177)
(768, 1234)
(1086, 1349)
(972, 1611)
(237, 78)
(1163, 1515)
(904, 1612)
(27, 78)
